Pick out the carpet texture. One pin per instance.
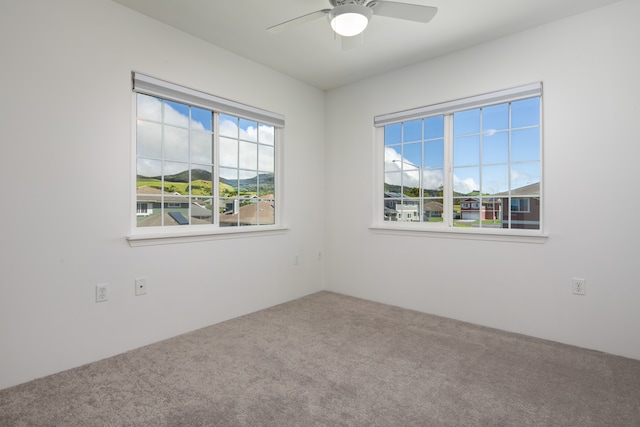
(332, 360)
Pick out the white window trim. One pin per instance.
(172, 235)
(445, 229)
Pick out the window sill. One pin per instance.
(521, 236)
(167, 237)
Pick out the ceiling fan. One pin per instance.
(350, 17)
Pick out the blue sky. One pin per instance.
(481, 149)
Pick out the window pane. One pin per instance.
(177, 210)
(524, 175)
(266, 158)
(392, 180)
(149, 210)
(229, 207)
(392, 159)
(266, 134)
(432, 182)
(466, 151)
(149, 174)
(248, 130)
(495, 148)
(228, 126)
(495, 118)
(228, 152)
(466, 122)
(412, 131)
(434, 127)
(176, 114)
(525, 145)
(412, 156)
(201, 210)
(393, 134)
(148, 108)
(433, 210)
(466, 180)
(266, 186)
(434, 154)
(176, 143)
(201, 147)
(248, 155)
(201, 180)
(201, 119)
(525, 113)
(176, 178)
(149, 139)
(495, 179)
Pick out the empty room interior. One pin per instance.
(171, 167)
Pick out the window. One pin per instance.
(202, 161)
(473, 163)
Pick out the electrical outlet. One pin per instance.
(141, 286)
(102, 292)
(578, 286)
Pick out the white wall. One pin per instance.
(65, 155)
(590, 68)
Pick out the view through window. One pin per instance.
(475, 167)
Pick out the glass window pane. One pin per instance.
(393, 134)
(176, 210)
(466, 151)
(248, 130)
(495, 118)
(495, 179)
(525, 177)
(149, 139)
(176, 143)
(228, 126)
(248, 155)
(148, 108)
(176, 114)
(434, 127)
(176, 177)
(266, 212)
(202, 211)
(525, 145)
(201, 179)
(495, 148)
(149, 174)
(392, 182)
(466, 180)
(392, 159)
(228, 152)
(434, 154)
(525, 113)
(266, 158)
(466, 122)
(201, 147)
(266, 134)
(433, 210)
(201, 119)
(266, 187)
(432, 182)
(412, 154)
(149, 210)
(412, 131)
(229, 207)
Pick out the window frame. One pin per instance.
(144, 236)
(446, 228)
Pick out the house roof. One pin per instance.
(261, 212)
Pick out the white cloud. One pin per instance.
(178, 141)
(394, 162)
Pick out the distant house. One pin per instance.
(177, 209)
(474, 209)
(524, 207)
(255, 212)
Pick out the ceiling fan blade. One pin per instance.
(411, 12)
(297, 21)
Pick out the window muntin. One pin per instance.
(198, 167)
(494, 153)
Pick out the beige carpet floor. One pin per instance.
(332, 360)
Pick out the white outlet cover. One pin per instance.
(102, 292)
(141, 286)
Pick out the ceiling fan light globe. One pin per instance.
(350, 20)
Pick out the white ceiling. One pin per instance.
(311, 53)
